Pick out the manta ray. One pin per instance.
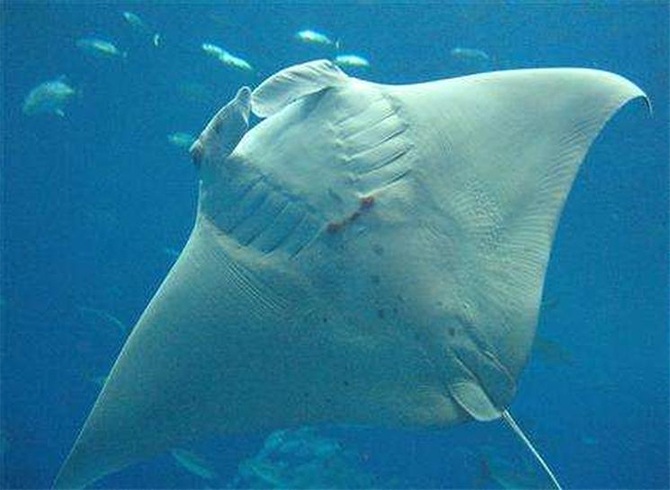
(365, 254)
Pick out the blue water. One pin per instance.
(94, 202)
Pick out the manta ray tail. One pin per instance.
(507, 417)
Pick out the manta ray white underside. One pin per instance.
(367, 254)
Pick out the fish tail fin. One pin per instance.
(507, 417)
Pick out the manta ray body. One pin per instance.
(366, 254)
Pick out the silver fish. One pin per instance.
(225, 57)
(100, 48)
(313, 37)
(48, 98)
(352, 60)
(470, 54)
(181, 139)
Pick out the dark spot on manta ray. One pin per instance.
(334, 226)
(364, 204)
(354, 216)
(345, 382)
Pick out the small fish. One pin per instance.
(352, 60)
(193, 463)
(100, 48)
(181, 139)
(313, 37)
(48, 98)
(225, 57)
(213, 50)
(470, 54)
(135, 22)
(235, 62)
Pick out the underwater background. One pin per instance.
(96, 204)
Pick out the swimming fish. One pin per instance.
(304, 458)
(193, 463)
(213, 50)
(470, 54)
(352, 60)
(136, 22)
(48, 98)
(235, 62)
(181, 139)
(313, 37)
(100, 48)
(225, 57)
